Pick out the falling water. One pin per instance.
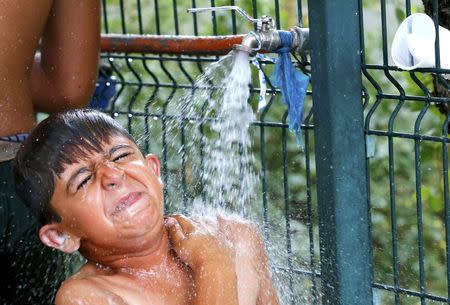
(228, 164)
(220, 117)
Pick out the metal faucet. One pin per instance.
(266, 38)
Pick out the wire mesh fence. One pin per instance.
(406, 124)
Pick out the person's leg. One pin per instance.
(22, 23)
(65, 76)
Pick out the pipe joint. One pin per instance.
(269, 41)
(265, 38)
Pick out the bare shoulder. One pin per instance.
(83, 289)
(241, 232)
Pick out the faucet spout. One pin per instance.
(251, 44)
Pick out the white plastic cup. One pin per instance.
(413, 44)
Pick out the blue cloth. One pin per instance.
(20, 137)
(104, 91)
(292, 83)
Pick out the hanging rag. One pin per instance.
(292, 83)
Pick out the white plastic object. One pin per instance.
(413, 44)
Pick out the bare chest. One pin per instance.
(171, 289)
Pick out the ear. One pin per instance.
(153, 163)
(52, 236)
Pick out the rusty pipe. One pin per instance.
(169, 44)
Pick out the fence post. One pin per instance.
(345, 248)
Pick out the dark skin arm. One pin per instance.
(64, 76)
(267, 294)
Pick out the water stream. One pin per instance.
(217, 117)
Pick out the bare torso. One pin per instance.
(173, 283)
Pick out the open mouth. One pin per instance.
(126, 202)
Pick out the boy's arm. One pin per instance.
(83, 291)
(209, 257)
(267, 294)
(248, 236)
(64, 76)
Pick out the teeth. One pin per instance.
(120, 207)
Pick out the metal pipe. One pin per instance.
(169, 44)
(261, 41)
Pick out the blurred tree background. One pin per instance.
(150, 88)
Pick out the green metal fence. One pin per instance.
(359, 216)
(408, 169)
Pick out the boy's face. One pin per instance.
(111, 200)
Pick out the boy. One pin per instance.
(85, 177)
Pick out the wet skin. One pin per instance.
(111, 206)
(64, 77)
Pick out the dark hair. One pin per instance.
(59, 140)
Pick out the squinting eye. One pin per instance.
(121, 156)
(84, 182)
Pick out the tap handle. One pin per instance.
(264, 21)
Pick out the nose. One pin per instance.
(111, 176)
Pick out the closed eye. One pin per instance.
(121, 156)
(84, 182)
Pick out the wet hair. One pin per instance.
(58, 141)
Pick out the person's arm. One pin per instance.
(64, 76)
(83, 291)
(210, 258)
(247, 236)
(267, 294)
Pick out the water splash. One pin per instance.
(228, 171)
(216, 116)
